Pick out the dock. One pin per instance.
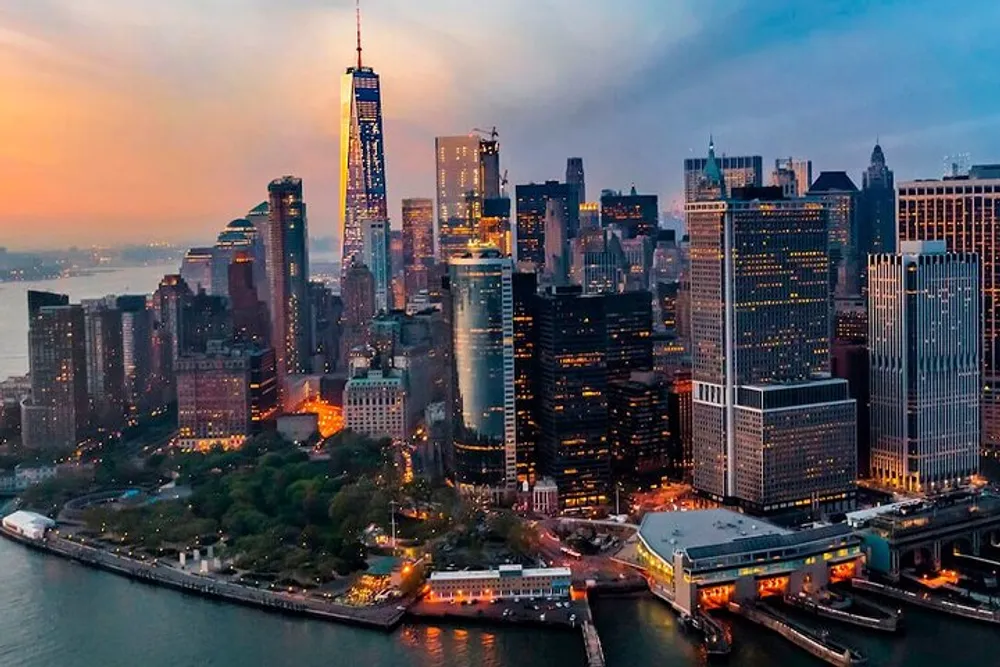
(889, 622)
(929, 601)
(384, 617)
(815, 643)
(592, 645)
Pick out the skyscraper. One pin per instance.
(924, 338)
(794, 177)
(288, 273)
(639, 432)
(841, 197)
(459, 193)
(259, 216)
(524, 286)
(205, 318)
(377, 258)
(964, 212)
(362, 158)
(169, 304)
(760, 339)
(628, 319)
(196, 269)
(482, 314)
(736, 171)
(532, 202)
(489, 165)
(358, 295)
(324, 330)
(556, 246)
(418, 243)
(878, 206)
(138, 356)
(105, 363)
(635, 214)
(575, 177)
(251, 321)
(56, 415)
(571, 395)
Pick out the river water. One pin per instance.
(55, 613)
(14, 303)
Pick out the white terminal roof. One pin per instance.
(23, 519)
(667, 532)
(495, 574)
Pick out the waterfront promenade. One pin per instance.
(382, 617)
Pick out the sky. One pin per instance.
(153, 120)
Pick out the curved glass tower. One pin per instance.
(482, 307)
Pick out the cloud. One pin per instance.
(176, 114)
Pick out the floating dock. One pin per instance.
(888, 622)
(815, 643)
(929, 601)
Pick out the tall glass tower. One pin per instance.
(362, 158)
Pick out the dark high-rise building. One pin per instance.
(259, 217)
(878, 206)
(205, 318)
(575, 177)
(556, 244)
(736, 171)
(635, 214)
(362, 164)
(56, 415)
(680, 408)
(418, 243)
(532, 202)
(483, 371)
(494, 225)
(639, 431)
(629, 321)
(288, 271)
(525, 286)
(964, 212)
(571, 395)
(760, 342)
(489, 166)
(170, 301)
(138, 355)
(105, 364)
(377, 257)
(849, 361)
(358, 294)
(251, 321)
(839, 194)
(324, 329)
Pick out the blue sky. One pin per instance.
(176, 114)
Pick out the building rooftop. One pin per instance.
(833, 181)
(512, 571)
(667, 532)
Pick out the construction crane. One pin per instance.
(491, 133)
(503, 183)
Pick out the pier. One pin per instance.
(814, 643)
(888, 622)
(592, 644)
(929, 601)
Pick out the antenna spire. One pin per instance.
(357, 11)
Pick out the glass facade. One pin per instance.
(482, 311)
(362, 158)
(288, 273)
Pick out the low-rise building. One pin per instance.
(506, 582)
(707, 558)
(545, 497)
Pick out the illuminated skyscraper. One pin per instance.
(769, 431)
(418, 243)
(459, 193)
(964, 212)
(288, 273)
(924, 338)
(532, 203)
(634, 214)
(56, 414)
(482, 317)
(138, 354)
(362, 157)
(105, 363)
